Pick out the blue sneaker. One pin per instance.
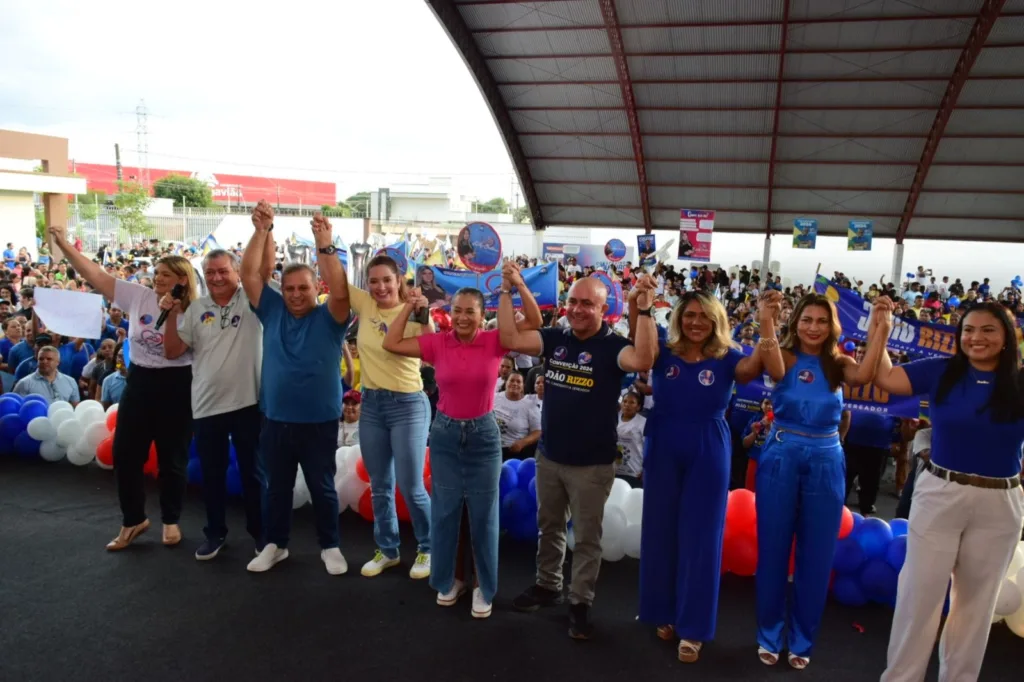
(209, 549)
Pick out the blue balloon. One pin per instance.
(857, 520)
(910, 275)
(849, 346)
(847, 591)
(234, 481)
(878, 580)
(873, 536)
(508, 481)
(35, 397)
(527, 470)
(26, 446)
(193, 453)
(31, 409)
(195, 472)
(841, 338)
(6, 445)
(10, 404)
(899, 527)
(954, 302)
(849, 556)
(532, 488)
(896, 554)
(11, 426)
(518, 511)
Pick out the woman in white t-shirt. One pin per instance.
(518, 419)
(629, 465)
(156, 406)
(348, 428)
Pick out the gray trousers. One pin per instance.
(581, 491)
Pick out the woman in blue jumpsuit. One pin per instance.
(801, 478)
(686, 468)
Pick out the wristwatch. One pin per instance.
(505, 291)
(644, 311)
(328, 250)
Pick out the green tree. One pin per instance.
(359, 203)
(522, 214)
(40, 223)
(89, 203)
(184, 190)
(495, 205)
(339, 211)
(131, 202)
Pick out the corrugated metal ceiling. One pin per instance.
(857, 97)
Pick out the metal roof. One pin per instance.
(618, 113)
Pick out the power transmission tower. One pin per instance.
(142, 142)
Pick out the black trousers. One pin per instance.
(156, 407)
(865, 464)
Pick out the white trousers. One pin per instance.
(970, 533)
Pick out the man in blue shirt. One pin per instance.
(585, 365)
(47, 381)
(301, 389)
(9, 258)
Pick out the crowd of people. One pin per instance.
(286, 362)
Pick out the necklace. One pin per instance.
(977, 380)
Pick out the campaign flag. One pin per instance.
(695, 229)
(541, 279)
(858, 236)
(398, 252)
(908, 336)
(645, 246)
(747, 397)
(208, 245)
(805, 233)
(615, 300)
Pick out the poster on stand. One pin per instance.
(646, 247)
(695, 230)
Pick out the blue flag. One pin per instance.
(542, 281)
(868, 398)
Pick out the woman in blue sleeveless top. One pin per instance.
(686, 468)
(967, 508)
(801, 478)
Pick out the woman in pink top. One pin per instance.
(465, 445)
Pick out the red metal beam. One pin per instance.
(773, 135)
(447, 13)
(747, 53)
(611, 23)
(772, 81)
(776, 115)
(803, 162)
(801, 211)
(800, 188)
(726, 23)
(839, 107)
(972, 48)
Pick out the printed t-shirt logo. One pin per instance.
(206, 318)
(560, 353)
(235, 320)
(585, 358)
(672, 372)
(706, 377)
(146, 319)
(806, 376)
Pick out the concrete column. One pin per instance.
(766, 259)
(897, 264)
(538, 243)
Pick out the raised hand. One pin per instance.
(645, 296)
(510, 273)
(263, 216)
(168, 302)
(322, 230)
(769, 306)
(881, 313)
(416, 300)
(57, 232)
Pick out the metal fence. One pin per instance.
(101, 225)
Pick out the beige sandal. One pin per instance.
(767, 657)
(127, 536)
(666, 632)
(689, 651)
(798, 662)
(172, 534)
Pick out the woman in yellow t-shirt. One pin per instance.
(395, 419)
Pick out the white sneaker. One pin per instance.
(451, 596)
(378, 564)
(334, 560)
(266, 559)
(421, 568)
(481, 608)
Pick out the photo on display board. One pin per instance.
(479, 247)
(432, 291)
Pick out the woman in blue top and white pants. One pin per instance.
(801, 478)
(968, 507)
(686, 468)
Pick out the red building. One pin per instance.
(227, 189)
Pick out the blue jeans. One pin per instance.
(465, 464)
(211, 435)
(393, 439)
(285, 446)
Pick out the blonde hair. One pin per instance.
(718, 343)
(181, 267)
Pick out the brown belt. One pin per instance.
(972, 479)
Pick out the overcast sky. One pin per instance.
(373, 93)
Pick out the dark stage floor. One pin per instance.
(71, 611)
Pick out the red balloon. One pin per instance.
(426, 463)
(741, 555)
(361, 471)
(741, 512)
(112, 421)
(105, 451)
(151, 468)
(401, 508)
(428, 483)
(846, 525)
(366, 505)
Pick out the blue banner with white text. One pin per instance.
(440, 284)
(922, 339)
(868, 398)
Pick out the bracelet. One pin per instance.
(646, 312)
(505, 291)
(768, 344)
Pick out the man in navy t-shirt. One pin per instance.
(582, 381)
(301, 388)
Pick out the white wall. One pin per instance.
(427, 210)
(238, 228)
(18, 221)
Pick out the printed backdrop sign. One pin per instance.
(615, 250)
(858, 236)
(805, 233)
(440, 284)
(586, 255)
(615, 303)
(908, 336)
(695, 228)
(646, 247)
(479, 247)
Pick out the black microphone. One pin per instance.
(177, 292)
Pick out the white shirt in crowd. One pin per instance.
(516, 418)
(141, 305)
(631, 446)
(348, 434)
(922, 441)
(573, 269)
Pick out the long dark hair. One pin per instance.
(829, 354)
(1007, 401)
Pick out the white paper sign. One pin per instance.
(70, 313)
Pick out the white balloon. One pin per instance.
(88, 405)
(1010, 599)
(1015, 622)
(631, 541)
(612, 552)
(41, 428)
(112, 408)
(300, 493)
(633, 505)
(340, 465)
(90, 417)
(96, 434)
(1016, 562)
(77, 458)
(353, 488)
(50, 451)
(85, 448)
(69, 432)
(619, 491)
(612, 531)
(57, 406)
(1020, 579)
(60, 416)
(353, 457)
(570, 540)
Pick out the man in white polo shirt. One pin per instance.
(226, 341)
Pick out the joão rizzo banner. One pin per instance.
(542, 280)
(868, 398)
(908, 336)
